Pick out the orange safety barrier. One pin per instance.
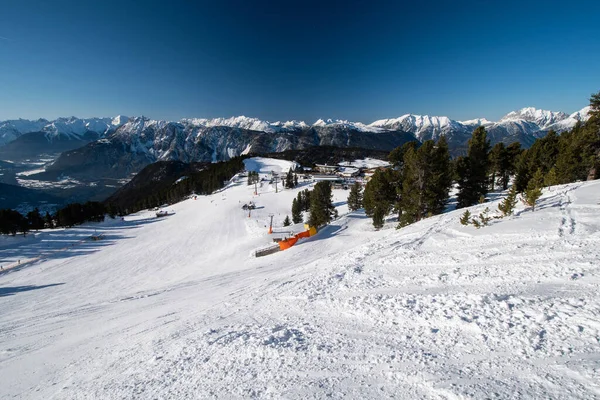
(304, 234)
(286, 244)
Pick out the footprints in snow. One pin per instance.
(567, 224)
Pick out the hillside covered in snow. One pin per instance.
(179, 307)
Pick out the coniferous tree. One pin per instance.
(499, 166)
(379, 196)
(534, 189)
(305, 199)
(289, 179)
(426, 181)
(11, 222)
(594, 107)
(415, 174)
(507, 205)
(296, 210)
(355, 197)
(295, 180)
(473, 169)
(396, 156)
(35, 220)
(440, 180)
(522, 174)
(286, 221)
(465, 217)
(321, 205)
(551, 178)
(513, 152)
(48, 223)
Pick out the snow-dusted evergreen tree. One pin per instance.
(286, 221)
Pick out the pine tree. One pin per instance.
(321, 205)
(499, 166)
(396, 156)
(355, 197)
(513, 152)
(440, 180)
(295, 180)
(296, 211)
(379, 196)
(48, 223)
(522, 175)
(534, 189)
(507, 205)
(594, 112)
(286, 221)
(473, 169)
(414, 177)
(304, 197)
(551, 178)
(483, 219)
(289, 179)
(35, 220)
(465, 218)
(12, 221)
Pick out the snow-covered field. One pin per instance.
(365, 163)
(177, 307)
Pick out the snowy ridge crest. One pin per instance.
(527, 121)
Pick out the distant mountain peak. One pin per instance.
(542, 118)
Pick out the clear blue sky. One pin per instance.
(280, 60)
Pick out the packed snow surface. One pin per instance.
(178, 307)
(365, 163)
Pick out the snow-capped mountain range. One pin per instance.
(528, 121)
(70, 127)
(114, 148)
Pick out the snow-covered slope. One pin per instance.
(178, 307)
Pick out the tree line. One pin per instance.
(206, 181)
(12, 221)
(318, 203)
(418, 185)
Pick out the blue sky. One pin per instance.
(304, 60)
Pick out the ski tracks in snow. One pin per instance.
(434, 310)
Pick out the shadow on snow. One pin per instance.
(12, 290)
